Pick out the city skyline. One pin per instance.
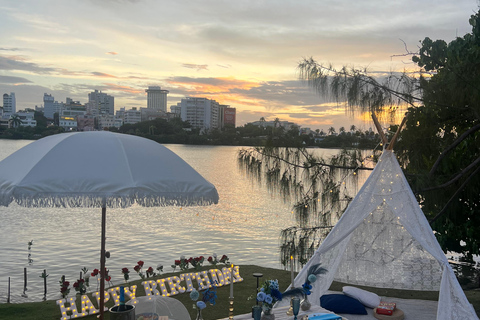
(241, 54)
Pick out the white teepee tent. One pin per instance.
(384, 240)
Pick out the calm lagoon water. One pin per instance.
(245, 226)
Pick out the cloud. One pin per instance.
(10, 49)
(195, 66)
(112, 53)
(17, 63)
(14, 80)
(103, 75)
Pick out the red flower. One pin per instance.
(125, 270)
(150, 270)
(202, 258)
(63, 289)
(197, 259)
(140, 263)
(210, 259)
(177, 262)
(95, 272)
(66, 283)
(190, 260)
(136, 268)
(108, 278)
(75, 285)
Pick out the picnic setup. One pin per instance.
(382, 240)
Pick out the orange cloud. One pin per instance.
(112, 53)
(117, 87)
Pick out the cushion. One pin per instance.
(340, 303)
(368, 299)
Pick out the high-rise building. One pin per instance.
(202, 113)
(50, 106)
(9, 104)
(100, 103)
(156, 98)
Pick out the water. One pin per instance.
(245, 226)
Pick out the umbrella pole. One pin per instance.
(102, 264)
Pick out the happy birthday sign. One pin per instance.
(176, 285)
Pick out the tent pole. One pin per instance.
(379, 129)
(102, 264)
(394, 139)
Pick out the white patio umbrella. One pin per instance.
(100, 169)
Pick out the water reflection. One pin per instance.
(245, 225)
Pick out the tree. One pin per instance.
(16, 121)
(439, 148)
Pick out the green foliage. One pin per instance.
(440, 147)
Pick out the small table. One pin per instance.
(396, 315)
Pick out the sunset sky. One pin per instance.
(241, 53)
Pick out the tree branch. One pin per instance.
(451, 147)
(458, 176)
(454, 196)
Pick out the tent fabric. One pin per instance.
(96, 169)
(384, 240)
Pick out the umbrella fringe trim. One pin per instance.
(89, 201)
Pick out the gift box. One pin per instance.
(386, 308)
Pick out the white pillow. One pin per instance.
(368, 299)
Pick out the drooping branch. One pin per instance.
(460, 189)
(454, 179)
(357, 88)
(451, 147)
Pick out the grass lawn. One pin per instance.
(243, 292)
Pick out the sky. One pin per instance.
(242, 53)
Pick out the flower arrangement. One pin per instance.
(224, 259)
(64, 287)
(138, 269)
(182, 263)
(209, 296)
(95, 274)
(160, 268)
(150, 272)
(269, 294)
(196, 262)
(312, 274)
(80, 286)
(125, 273)
(86, 277)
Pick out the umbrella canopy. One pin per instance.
(100, 169)
(97, 169)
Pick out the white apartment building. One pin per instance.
(157, 98)
(202, 113)
(108, 120)
(9, 104)
(27, 117)
(50, 106)
(100, 103)
(131, 116)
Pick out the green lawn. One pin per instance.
(243, 292)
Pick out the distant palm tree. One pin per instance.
(341, 130)
(353, 128)
(331, 131)
(15, 121)
(151, 130)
